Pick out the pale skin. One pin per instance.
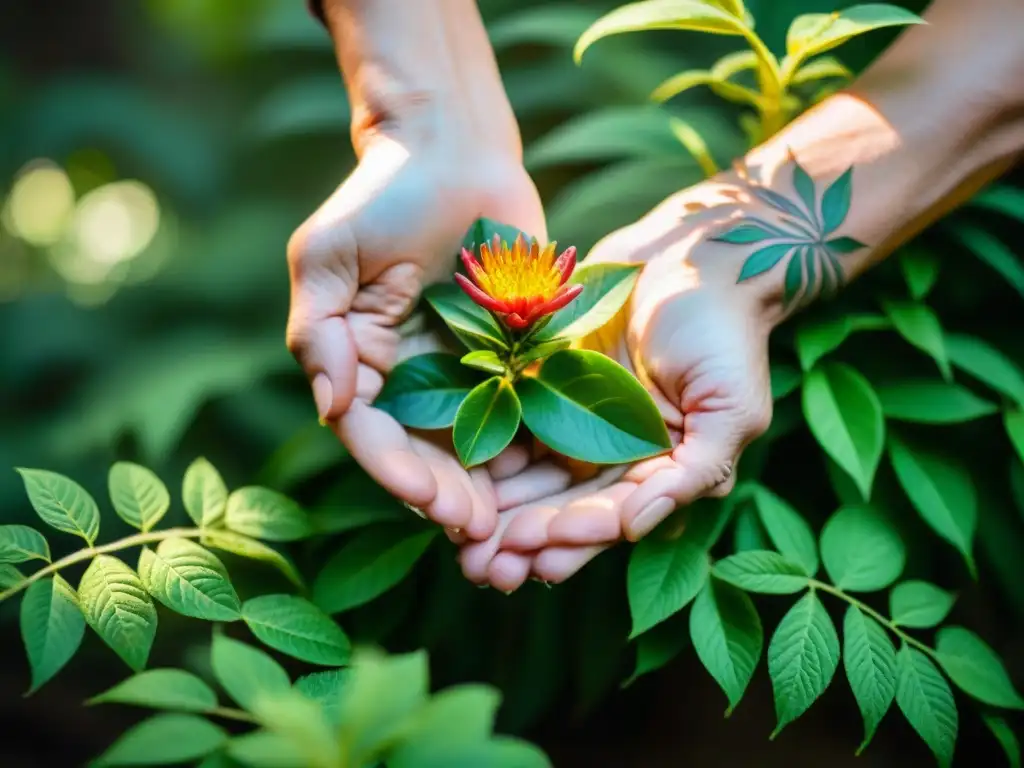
(939, 115)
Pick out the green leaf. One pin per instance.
(804, 186)
(663, 577)
(10, 576)
(975, 668)
(687, 135)
(862, 550)
(166, 739)
(551, 24)
(659, 14)
(751, 230)
(761, 571)
(243, 546)
(266, 514)
(1003, 199)
(52, 627)
(606, 289)
(763, 259)
(987, 364)
(920, 269)
(993, 252)
(693, 78)
(295, 626)
(749, 534)
(483, 360)
(870, 662)
(472, 324)
(62, 503)
(785, 379)
(189, 579)
(581, 393)
(925, 699)
(788, 530)
(370, 563)
(817, 337)
(325, 688)
(920, 326)
(248, 674)
(172, 689)
(265, 749)
(815, 33)
(727, 636)
(802, 658)
(425, 391)
(116, 605)
(357, 501)
(498, 752)
(919, 604)
(820, 69)
(484, 230)
(844, 415)
(657, 647)
(138, 495)
(454, 718)
(941, 490)
(486, 421)
(835, 202)
(1005, 736)
(20, 543)
(931, 402)
(1014, 423)
(204, 493)
(543, 349)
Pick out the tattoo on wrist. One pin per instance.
(799, 238)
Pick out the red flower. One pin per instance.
(521, 284)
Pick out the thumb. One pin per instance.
(323, 271)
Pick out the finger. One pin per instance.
(593, 519)
(536, 482)
(475, 557)
(327, 353)
(382, 447)
(452, 506)
(556, 564)
(508, 571)
(376, 343)
(485, 509)
(509, 462)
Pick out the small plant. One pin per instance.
(518, 313)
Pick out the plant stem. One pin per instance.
(232, 714)
(823, 587)
(90, 552)
(772, 89)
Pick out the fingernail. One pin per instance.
(323, 396)
(541, 581)
(650, 516)
(411, 508)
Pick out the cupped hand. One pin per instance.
(357, 268)
(698, 341)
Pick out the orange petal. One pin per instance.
(566, 263)
(471, 264)
(565, 294)
(477, 295)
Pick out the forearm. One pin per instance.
(940, 114)
(425, 68)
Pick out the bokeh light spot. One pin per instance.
(115, 222)
(40, 204)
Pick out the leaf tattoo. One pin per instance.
(800, 238)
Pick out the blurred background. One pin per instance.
(155, 155)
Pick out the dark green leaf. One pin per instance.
(10, 576)
(788, 530)
(931, 402)
(472, 324)
(749, 534)
(975, 668)
(663, 577)
(52, 627)
(165, 740)
(296, 627)
(802, 658)
(870, 661)
(266, 514)
(764, 259)
(172, 689)
(606, 289)
(920, 270)
(425, 391)
(920, 326)
(62, 503)
(835, 204)
(486, 421)
(19, 544)
(785, 379)
(1005, 736)
(925, 699)
(817, 337)
(987, 364)
(586, 406)
(919, 604)
(993, 252)
(862, 550)
(1014, 423)
(658, 646)
(116, 605)
(138, 495)
(761, 571)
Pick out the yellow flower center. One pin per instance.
(520, 272)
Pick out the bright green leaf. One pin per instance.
(844, 415)
(817, 337)
(483, 360)
(870, 662)
(993, 252)
(761, 571)
(942, 491)
(1005, 736)
(748, 533)
(802, 658)
(266, 514)
(452, 718)
(1014, 423)
(586, 406)
(189, 579)
(62, 503)
(139, 497)
(920, 326)
(243, 546)
(116, 605)
(265, 749)
(920, 269)
(862, 550)
(204, 493)
(919, 604)
(295, 626)
(486, 422)
(787, 529)
(820, 69)
(931, 402)
(663, 577)
(927, 702)
(325, 688)
(606, 289)
(975, 668)
(368, 565)
(166, 739)
(20, 543)
(472, 324)
(785, 379)
(425, 391)
(248, 674)
(52, 627)
(727, 635)
(173, 689)
(815, 33)
(987, 364)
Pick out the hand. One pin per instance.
(357, 268)
(698, 340)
